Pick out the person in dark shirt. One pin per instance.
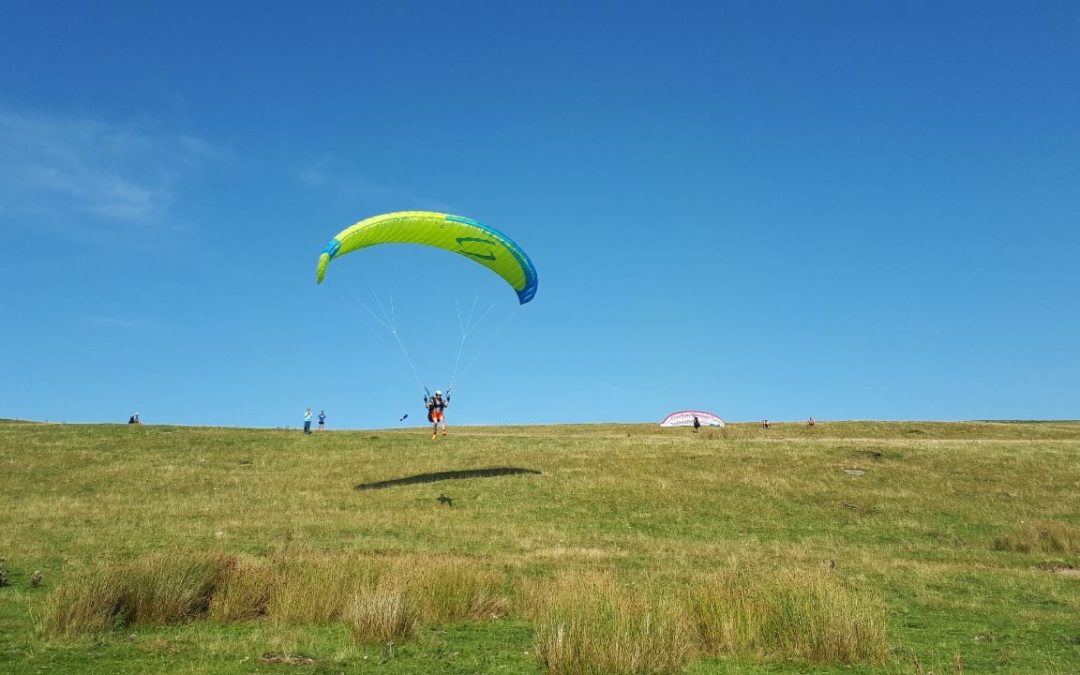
(436, 405)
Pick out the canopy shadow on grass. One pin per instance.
(446, 475)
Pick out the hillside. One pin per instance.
(961, 539)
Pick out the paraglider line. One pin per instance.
(408, 358)
(389, 319)
(372, 314)
(392, 324)
(388, 323)
(494, 335)
(466, 330)
(461, 346)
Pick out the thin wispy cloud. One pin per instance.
(72, 167)
(324, 174)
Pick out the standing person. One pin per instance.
(697, 424)
(435, 407)
(322, 420)
(307, 421)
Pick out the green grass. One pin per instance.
(636, 550)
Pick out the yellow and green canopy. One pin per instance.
(464, 236)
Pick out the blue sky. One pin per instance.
(848, 210)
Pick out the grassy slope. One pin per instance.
(916, 529)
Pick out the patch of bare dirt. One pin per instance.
(1063, 568)
(288, 659)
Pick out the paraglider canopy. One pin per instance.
(685, 418)
(469, 238)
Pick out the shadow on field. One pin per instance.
(446, 475)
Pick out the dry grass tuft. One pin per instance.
(594, 624)
(597, 624)
(448, 590)
(316, 588)
(1040, 537)
(245, 591)
(158, 589)
(381, 616)
(793, 614)
(374, 595)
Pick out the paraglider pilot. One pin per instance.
(435, 407)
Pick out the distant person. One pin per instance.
(436, 406)
(764, 424)
(697, 424)
(134, 419)
(322, 420)
(307, 421)
(810, 422)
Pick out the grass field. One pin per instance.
(635, 549)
